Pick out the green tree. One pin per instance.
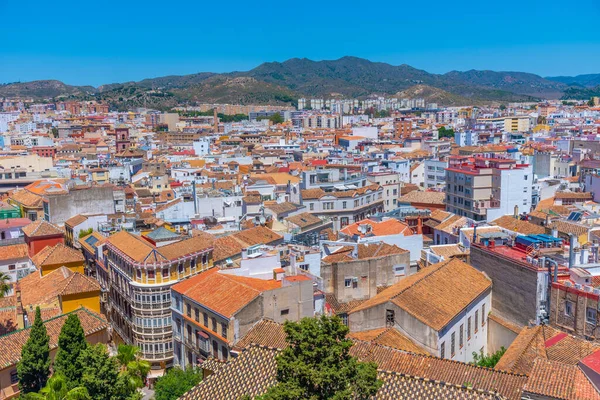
(591, 102)
(444, 132)
(502, 107)
(85, 232)
(317, 364)
(276, 119)
(133, 369)
(57, 389)
(100, 374)
(34, 368)
(54, 132)
(71, 343)
(5, 285)
(489, 360)
(175, 383)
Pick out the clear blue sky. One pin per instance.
(109, 41)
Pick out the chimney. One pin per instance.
(419, 225)
(474, 234)
(215, 120)
(571, 250)
(20, 312)
(244, 253)
(516, 212)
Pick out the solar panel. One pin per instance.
(575, 216)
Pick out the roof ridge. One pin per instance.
(441, 265)
(447, 360)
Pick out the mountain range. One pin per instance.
(279, 83)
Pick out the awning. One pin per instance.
(203, 334)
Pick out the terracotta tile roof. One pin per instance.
(38, 290)
(257, 235)
(389, 337)
(436, 294)
(59, 254)
(417, 196)
(547, 343)
(164, 207)
(226, 247)
(439, 215)
(27, 198)
(556, 380)
(92, 241)
(265, 332)
(312, 194)
(448, 225)
(516, 225)
(184, 247)
(573, 195)
(40, 228)
(448, 250)
(11, 344)
(569, 227)
(303, 220)
(213, 290)
(338, 307)
(281, 208)
(13, 251)
(505, 323)
(254, 371)
(391, 226)
(76, 220)
(365, 251)
(134, 247)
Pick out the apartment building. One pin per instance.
(402, 127)
(344, 206)
(391, 183)
(140, 280)
(486, 188)
(213, 310)
(435, 173)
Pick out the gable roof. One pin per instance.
(213, 289)
(14, 251)
(304, 219)
(12, 343)
(417, 196)
(557, 380)
(390, 226)
(40, 228)
(57, 255)
(436, 294)
(516, 225)
(36, 289)
(365, 251)
(389, 337)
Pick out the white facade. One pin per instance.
(513, 187)
(435, 173)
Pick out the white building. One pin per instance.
(442, 309)
(435, 173)
(15, 262)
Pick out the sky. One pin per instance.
(94, 43)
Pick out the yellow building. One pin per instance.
(54, 257)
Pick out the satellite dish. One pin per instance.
(262, 220)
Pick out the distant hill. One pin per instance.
(280, 83)
(515, 82)
(589, 80)
(435, 95)
(580, 93)
(43, 89)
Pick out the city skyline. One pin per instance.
(128, 42)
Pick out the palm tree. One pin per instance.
(5, 285)
(132, 367)
(56, 389)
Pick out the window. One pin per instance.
(590, 315)
(344, 205)
(224, 352)
(14, 377)
(206, 320)
(348, 282)
(461, 336)
(214, 324)
(180, 268)
(354, 283)
(12, 267)
(390, 317)
(188, 310)
(139, 273)
(285, 311)
(197, 314)
(224, 330)
(443, 350)
(569, 308)
(452, 343)
(311, 206)
(151, 274)
(476, 328)
(399, 270)
(482, 314)
(165, 273)
(469, 328)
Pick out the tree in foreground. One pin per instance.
(71, 343)
(489, 360)
(4, 284)
(176, 382)
(133, 368)
(57, 389)
(34, 368)
(317, 364)
(100, 375)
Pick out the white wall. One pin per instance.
(413, 243)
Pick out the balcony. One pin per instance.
(159, 305)
(157, 356)
(480, 206)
